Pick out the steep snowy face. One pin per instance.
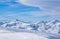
(54, 26)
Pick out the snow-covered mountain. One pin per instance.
(52, 26)
(42, 26)
(15, 25)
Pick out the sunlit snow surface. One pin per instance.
(4, 34)
(21, 35)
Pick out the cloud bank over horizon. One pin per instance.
(48, 6)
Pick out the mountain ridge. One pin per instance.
(43, 26)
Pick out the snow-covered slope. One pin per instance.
(4, 31)
(20, 35)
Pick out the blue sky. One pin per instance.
(13, 9)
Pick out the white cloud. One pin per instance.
(50, 7)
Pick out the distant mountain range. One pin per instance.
(43, 26)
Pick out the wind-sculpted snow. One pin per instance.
(48, 29)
